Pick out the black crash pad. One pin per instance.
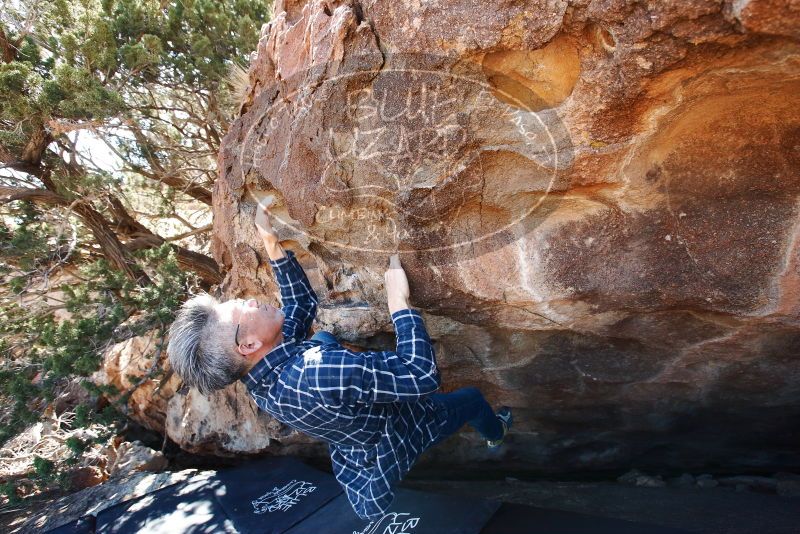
(412, 512)
(82, 525)
(265, 496)
(271, 495)
(283, 495)
(189, 508)
(521, 519)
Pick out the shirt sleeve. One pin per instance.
(298, 299)
(345, 378)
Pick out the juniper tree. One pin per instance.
(155, 82)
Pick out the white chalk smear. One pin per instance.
(265, 201)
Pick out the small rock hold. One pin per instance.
(647, 481)
(789, 488)
(643, 63)
(630, 477)
(753, 482)
(683, 481)
(707, 482)
(637, 478)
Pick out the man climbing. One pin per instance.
(377, 410)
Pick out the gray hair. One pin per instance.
(197, 352)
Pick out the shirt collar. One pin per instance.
(270, 361)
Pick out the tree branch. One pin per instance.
(205, 267)
(7, 48)
(119, 256)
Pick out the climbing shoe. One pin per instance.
(504, 414)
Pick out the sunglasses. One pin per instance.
(236, 335)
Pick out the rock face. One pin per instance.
(130, 457)
(597, 204)
(130, 368)
(226, 424)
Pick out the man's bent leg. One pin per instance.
(467, 405)
(325, 337)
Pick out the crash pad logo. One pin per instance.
(406, 153)
(281, 499)
(392, 523)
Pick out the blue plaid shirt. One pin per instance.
(370, 407)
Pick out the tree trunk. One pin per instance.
(8, 50)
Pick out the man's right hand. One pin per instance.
(268, 234)
(397, 292)
(263, 222)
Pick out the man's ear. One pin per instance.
(246, 349)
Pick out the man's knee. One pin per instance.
(324, 336)
(471, 391)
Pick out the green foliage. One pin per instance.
(43, 468)
(26, 244)
(92, 56)
(76, 445)
(82, 416)
(20, 91)
(157, 68)
(74, 93)
(9, 491)
(47, 472)
(30, 53)
(74, 347)
(191, 40)
(143, 54)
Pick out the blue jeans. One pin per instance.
(467, 405)
(325, 337)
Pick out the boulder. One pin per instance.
(707, 483)
(788, 488)
(596, 203)
(128, 457)
(228, 423)
(637, 478)
(138, 367)
(86, 476)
